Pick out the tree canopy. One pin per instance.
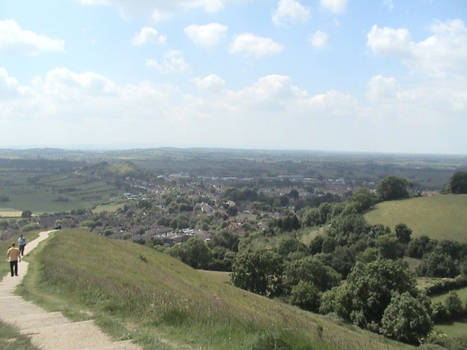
(458, 183)
(393, 187)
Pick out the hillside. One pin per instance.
(136, 292)
(439, 217)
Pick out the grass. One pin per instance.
(462, 293)
(112, 207)
(164, 304)
(438, 217)
(459, 327)
(10, 339)
(9, 213)
(51, 192)
(455, 329)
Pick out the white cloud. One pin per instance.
(382, 89)
(256, 46)
(290, 11)
(16, 40)
(66, 107)
(441, 54)
(172, 62)
(148, 35)
(319, 39)
(159, 9)
(206, 35)
(336, 6)
(211, 82)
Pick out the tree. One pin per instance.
(403, 233)
(364, 199)
(310, 270)
(289, 245)
(453, 305)
(26, 214)
(258, 271)
(458, 183)
(437, 264)
(389, 247)
(193, 252)
(392, 188)
(406, 319)
(305, 295)
(367, 292)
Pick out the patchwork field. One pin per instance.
(41, 192)
(439, 217)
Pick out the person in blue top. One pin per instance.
(21, 244)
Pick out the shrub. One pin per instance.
(310, 270)
(30, 227)
(258, 271)
(305, 295)
(437, 264)
(406, 319)
(392, 188)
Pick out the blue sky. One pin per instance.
(345, 75)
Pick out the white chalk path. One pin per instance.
(50, 330)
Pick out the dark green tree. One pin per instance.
(305, 295)
(392, 188)
(258, 271)
(193, 252)
(310, 270)
(458, 183)
(368, 291)
(437, 264)
(403, 233)
(26, 214)
(406, 319)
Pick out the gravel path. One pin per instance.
(50, 330)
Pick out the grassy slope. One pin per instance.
(10, 339)
(439, 217)
(135, 292)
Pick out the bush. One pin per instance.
(367, 292)
(258, 271)
(305, 295)
(392, 188)
(406, 319)
(310, 270)
(453, 305)
(403, 233)
(193, 252)
(437, 264)
(30, 227)
(458, 182)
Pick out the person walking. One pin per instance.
(13, 256)
(21, 244)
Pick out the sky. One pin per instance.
(334, 75)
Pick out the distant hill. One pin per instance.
(135, 291)
(438, 217)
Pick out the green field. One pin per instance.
(462, 293)
(51, 193)
(438, 217)
(135, 292)
(459, 327)
(9, 213)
